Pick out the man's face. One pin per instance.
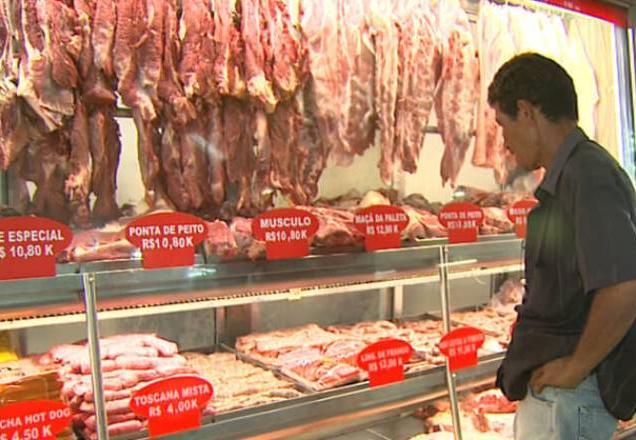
(519, 135)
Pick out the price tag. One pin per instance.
(462, 220)
(286, 232)
(460, 347)
(167, 239)
(29, 245)
(381, 226)
(172, 405)
(34, 420)
(384, 361)
(518, 214)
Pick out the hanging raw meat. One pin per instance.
(455, 102)
(228, 67)
(358, 121)
(495, 48)
(419, 55)
(385, 30)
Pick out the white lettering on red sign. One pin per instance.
(284, 222)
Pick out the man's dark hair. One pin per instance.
(538, 80)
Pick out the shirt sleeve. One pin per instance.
(604, 217)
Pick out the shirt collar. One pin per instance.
(553, 173)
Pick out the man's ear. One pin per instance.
(526, 110)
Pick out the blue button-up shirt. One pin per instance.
(581, 238)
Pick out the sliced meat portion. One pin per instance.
(455, 103)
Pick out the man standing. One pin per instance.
(572, 358)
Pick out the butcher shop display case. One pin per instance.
(214, 113)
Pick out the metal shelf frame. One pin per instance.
(94, 293)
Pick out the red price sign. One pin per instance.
(462, 220)
(172, 405)
(286, 232)
(384, 361)
(34, 420)
(167, 239)
(518, 214)
(29, 245)
(460, 347)
(381, 226)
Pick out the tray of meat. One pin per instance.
(239, 385)
(488, 320)
(267, 349)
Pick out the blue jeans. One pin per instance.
(563, 414)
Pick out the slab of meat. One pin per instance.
(255, 15)
(105, 150)
(45, 163)
(103, 35)
(385, 30)
(358, 123)
(497, 218)
(287, 45)
(228, 67)
(495, 47)
(284, 127)
(220, 241)
(149, 142)
(418, 77)
(198, 51)
(52, 101)
(335, 227)
(214, 150)
(137, 53)
(78, 183)
(137, 57)
(312, 153)
(238, 140)
(107, 243)
(455, 103)
(169, 87)
(321, 25)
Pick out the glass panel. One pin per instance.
(42, 349)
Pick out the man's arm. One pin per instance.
(612, 313)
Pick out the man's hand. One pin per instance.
(558, 373)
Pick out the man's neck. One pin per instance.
(553, 136)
